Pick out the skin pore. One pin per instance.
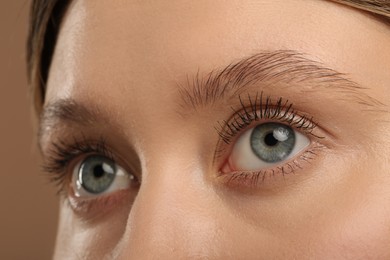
(155, 84)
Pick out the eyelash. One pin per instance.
(62, 155)
(263, 108)
(260, 109)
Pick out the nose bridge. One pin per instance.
(173, 215)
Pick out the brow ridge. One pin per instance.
(282, 66)
(67, 110)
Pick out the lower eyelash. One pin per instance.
(263, 108)
(253, 179)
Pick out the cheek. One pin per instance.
(359, 227)
(89, 239)
(362, 234)
(349, 216)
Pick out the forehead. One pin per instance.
(140, 46)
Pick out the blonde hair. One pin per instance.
(378, 8)
(45, 20)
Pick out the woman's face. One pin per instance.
(220, 129)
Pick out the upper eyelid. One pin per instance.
(263, 109)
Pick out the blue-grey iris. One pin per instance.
(96, 174)
(272, 142)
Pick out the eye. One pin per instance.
(98, 175)
(265, 146)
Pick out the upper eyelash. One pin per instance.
(62, 154)
(263, 108)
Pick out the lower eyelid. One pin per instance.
(93, 208)
(276, 177)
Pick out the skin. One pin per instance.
(128, 60)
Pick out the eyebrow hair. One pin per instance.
(271, 67)
(68, 110)
(286, 67)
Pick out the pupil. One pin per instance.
(98, 171)
(270, 140)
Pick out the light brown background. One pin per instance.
(28, 204)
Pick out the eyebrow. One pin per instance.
(286, 67)
(69, 111)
